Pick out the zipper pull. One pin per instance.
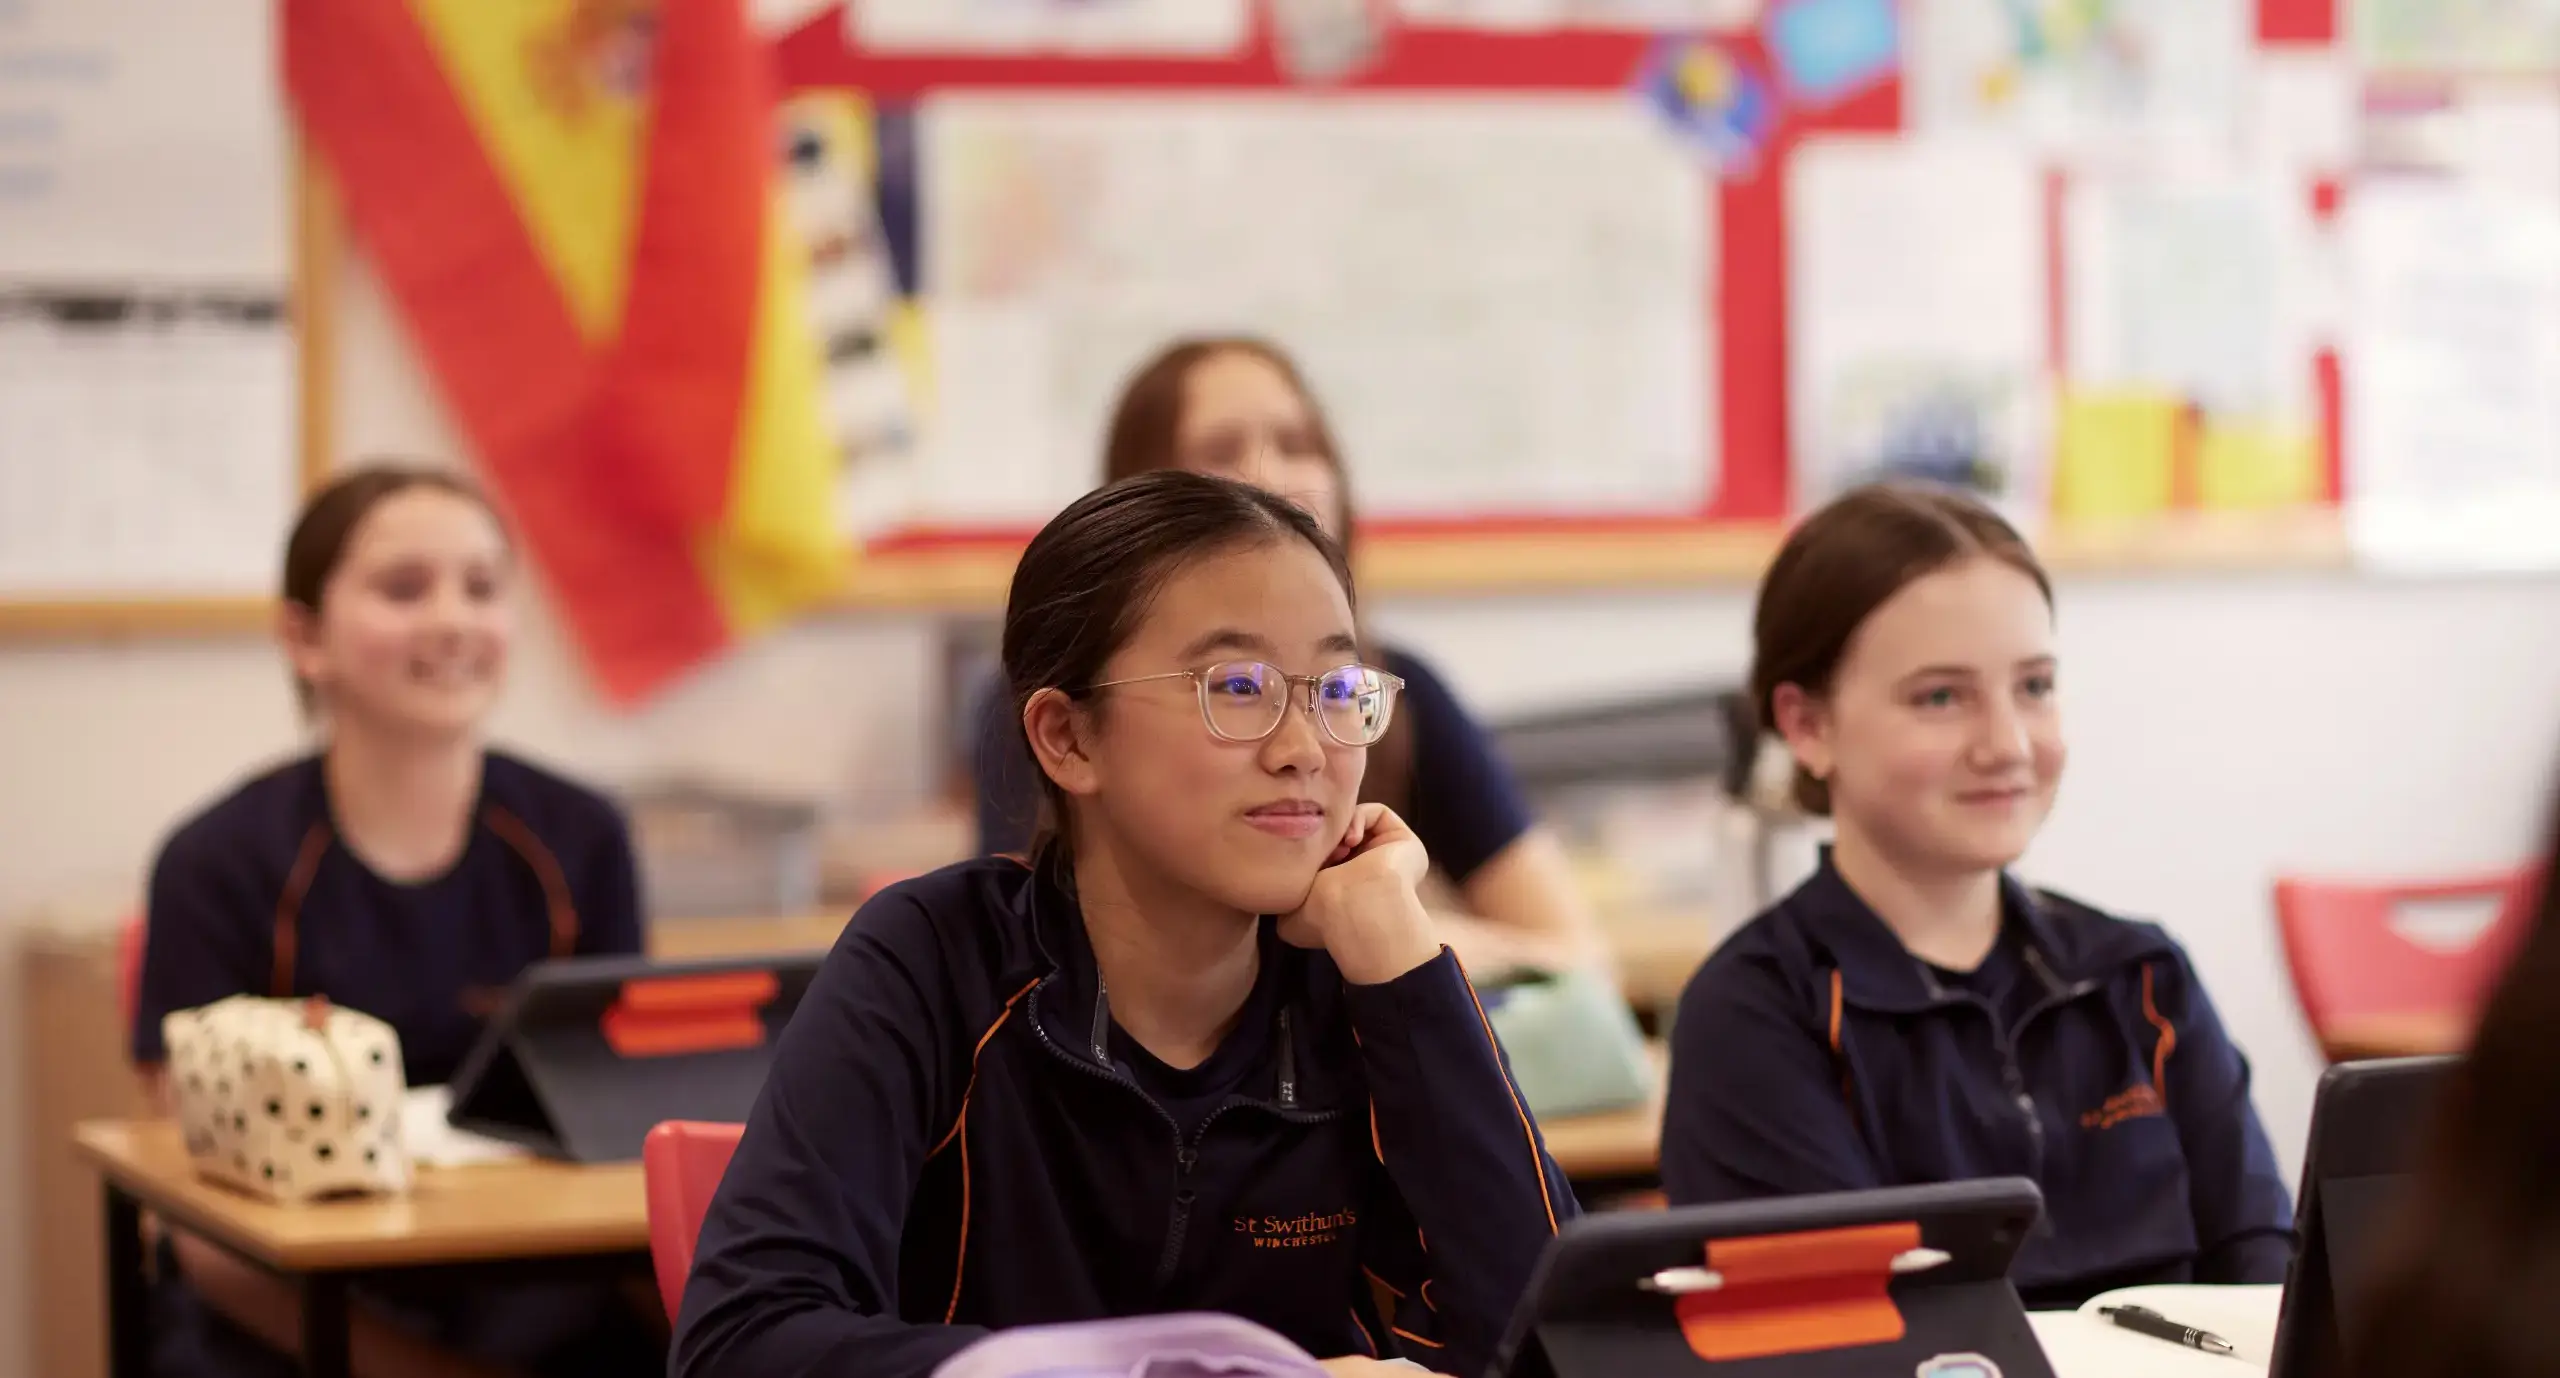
(1185, 1159)
(1288, 1064)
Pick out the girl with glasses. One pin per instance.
(1202, 1051)
(1236, 407)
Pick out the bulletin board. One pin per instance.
(159, 419)
(1722, 337)
(927, 99)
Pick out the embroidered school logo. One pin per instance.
(1295, 1231)
(2133, 1103)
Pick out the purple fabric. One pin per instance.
(1180, 1346)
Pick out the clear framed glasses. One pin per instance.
(1245, 700)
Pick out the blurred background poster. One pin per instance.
(1709, 16)
(2190, 303)
(1921, 353)
(2477, 37)
(1504, 302)
(2083, 74)
(1191, 27)
(2453, 431)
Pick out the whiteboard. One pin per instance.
(147, 372)
(1503, 302)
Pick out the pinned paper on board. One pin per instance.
(2201, 294)
(2453, 444)
(1328, 40)
(146, 440)
(1655, 16)
(2494, 134)
(2079, 74)
(2476, 37)
(2194, 284)
(1504, 304)
(2257, 466)
(1182, 28)
(869, 326)
(1713, 100)
(142, 142)
(1920, 352)
(1825, 50)
(2116, 454)
(2303, 114)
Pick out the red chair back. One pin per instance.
(129, 940)
(680, 1163)
(2349, 961)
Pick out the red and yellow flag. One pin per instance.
(574, 203)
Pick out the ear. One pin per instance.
(298, 632)
(1061, 734)
(1804, 723)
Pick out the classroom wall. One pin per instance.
(2222, 730)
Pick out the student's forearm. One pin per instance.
(1524, 909)
(1461, 1148)
(267, 1308)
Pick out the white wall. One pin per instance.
(2223, 730)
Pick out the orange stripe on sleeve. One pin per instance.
(960, 1131)
(971, 1089)
(1835, 1011)
(288, 931)
(960, 1256)
(1528, 1128)
(563, 909)
(2168, 1042)
(1848, 1094)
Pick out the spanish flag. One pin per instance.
(574, 203)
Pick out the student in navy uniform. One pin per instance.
(1203, 1050)
(2467, 1282)
(1913, 1013)
(1237, 408)
(405, 870)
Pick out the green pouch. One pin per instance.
(1574, 1045)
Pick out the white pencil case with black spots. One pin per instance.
(291, 1100)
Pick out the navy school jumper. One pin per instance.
(946, 1145)
(1813, 1053)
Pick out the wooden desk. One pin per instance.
(1657, 952)
(1614, 1146)
(486, 1214)
(2420, 1033)
(690, 939)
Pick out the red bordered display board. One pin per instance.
(1749, 442)
(1747, 301)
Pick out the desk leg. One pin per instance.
(128, 1291)
(324, 1326)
